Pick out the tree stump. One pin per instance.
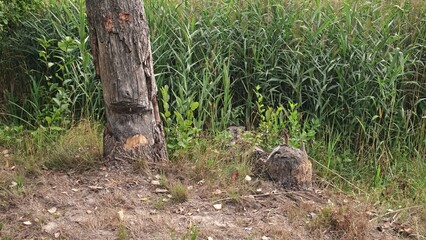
(288, 166)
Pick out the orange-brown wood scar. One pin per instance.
(135, 141)
(108, 24)
(124, 17)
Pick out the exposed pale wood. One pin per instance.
(119, 36)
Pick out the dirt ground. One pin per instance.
(121, 204)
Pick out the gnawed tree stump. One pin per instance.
(290, 167)
(286, 165)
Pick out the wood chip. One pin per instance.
(217, 192)
(52, 210)
(217, 206)
(13, 184)
(161, 190)
(155, 182)
(121, 215)
(95, 187)
(27, 223)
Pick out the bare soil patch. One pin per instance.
(121, 204)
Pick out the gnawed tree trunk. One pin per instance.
(119, 36)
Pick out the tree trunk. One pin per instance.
(119, 36)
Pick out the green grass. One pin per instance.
(357, 67)
(122, 232)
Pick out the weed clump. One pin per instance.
(341, 223)
(179, 192)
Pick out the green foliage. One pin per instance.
(354, 67)
(10, 135)
(12, 11)
(61, 82)
(180, 127)
(122, 232)
(192, 233)
(275, 123)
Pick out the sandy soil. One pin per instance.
(121, 204)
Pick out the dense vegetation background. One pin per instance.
(347, 77)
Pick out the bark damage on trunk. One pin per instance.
(119, 36)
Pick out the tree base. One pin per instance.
(134, 148)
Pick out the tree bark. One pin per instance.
(119, 36)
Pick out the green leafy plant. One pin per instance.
(277, 124)
(61, 85)
(180, 127)
(10, 135)
(122, 232)
(192, 233)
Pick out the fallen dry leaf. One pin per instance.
(201, 182)
(52, 210)
(155, 182)
(27, 223)
(217, 192)
(13, 184)
(217, 206)
(161, 190)
(121, 215)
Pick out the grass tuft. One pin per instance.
(179, 192)
(122, 233)
(78, 149)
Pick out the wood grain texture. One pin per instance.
(119, 36)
